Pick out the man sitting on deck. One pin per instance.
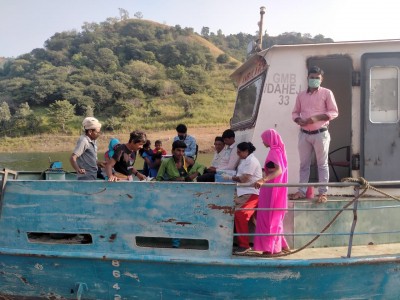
(209, 173)
(179, 167)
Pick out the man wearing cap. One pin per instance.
(84, 156)
(313, 110)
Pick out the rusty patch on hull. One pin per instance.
(183, 223)
(225, 209)
(112, 237)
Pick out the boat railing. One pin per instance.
(348, 203)
(189, 212)
(4, 176)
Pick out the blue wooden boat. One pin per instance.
(67, 239)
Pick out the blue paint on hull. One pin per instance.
(115, 265)
(146, 279)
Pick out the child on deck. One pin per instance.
(110, 152)
(146, 153)
(158, 148)
(152, 161)
(107, 155)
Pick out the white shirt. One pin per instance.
(217, 158)
(251, 166)
(230, 159)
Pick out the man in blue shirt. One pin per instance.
(190, 141)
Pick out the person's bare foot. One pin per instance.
(322, 198)
(297, 196)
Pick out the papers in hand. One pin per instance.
(224, 175)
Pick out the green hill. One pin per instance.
(129, 73)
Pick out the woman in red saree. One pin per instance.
(271, 222)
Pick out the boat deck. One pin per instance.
(383, 250)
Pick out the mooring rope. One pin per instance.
(364, 184)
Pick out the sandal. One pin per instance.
(286, 250)
(255, 252)
(322, 198)
(241, 251)
(297, 196)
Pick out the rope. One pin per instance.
(364, 184)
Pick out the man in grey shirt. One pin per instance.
(84, 156)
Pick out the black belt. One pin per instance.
(314, 131)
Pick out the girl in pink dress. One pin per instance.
(271, 222)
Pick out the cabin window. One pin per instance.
(384, 94)
(247, 103)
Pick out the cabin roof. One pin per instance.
(262, 54)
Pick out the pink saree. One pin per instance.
(271, 222)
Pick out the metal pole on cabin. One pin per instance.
(260, 25)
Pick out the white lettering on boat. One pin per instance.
(284, 85)
(115, 263)
(116, 274)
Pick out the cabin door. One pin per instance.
(380, 136)
(338, 71)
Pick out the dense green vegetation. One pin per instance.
(130, 73)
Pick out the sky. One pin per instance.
(27, 24)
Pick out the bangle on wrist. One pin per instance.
(136, 173)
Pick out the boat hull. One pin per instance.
(170, 278)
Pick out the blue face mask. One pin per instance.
(314, 83)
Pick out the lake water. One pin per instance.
(41, 161)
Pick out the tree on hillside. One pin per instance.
(205, 31)
(123, 13)
(23, 111)
(5, 115)
(61, 111)
(106, 60)
(222, 58)
(24, 121)
(138, 15)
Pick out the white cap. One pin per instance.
(91, 123)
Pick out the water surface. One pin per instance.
(41, 161)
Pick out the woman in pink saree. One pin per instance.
(271, 222)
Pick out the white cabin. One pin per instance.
(364, 78)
